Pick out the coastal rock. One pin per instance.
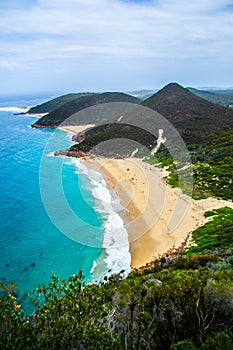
(20, 113)
(80, 137)
(71, 152)
(39, 126)
(152, 280)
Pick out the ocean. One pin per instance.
(56, 215)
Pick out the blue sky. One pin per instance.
(100, 45)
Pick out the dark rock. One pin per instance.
(152, 279)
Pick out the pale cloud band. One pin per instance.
(138, 41)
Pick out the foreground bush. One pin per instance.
(171, 308)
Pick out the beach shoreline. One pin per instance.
(114, 257)
(158, 218)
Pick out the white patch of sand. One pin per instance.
(75, 128)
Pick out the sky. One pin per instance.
(114, 45)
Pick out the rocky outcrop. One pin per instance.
(39, 126)
(80, 137)
(71, 152)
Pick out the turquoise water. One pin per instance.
(31, 246)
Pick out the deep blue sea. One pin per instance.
(52, 218)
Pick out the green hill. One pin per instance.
(195, 118)
(224, 98)
(221, 97)
(207, 131)
(124, 138)
(56, 103)
(58, 116)
(205, 127)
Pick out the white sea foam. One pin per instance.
(93, 266)
(14, 109)
(116, 244)
(69, 135)
(50, 154)
(115, 240)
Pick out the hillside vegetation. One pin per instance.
(56, 103)
(205, 127)
(193, 117)
(115, 140)
(71, 109)
(176, 302)
(221, 97)
(207, 131)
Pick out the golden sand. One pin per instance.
(156, 216)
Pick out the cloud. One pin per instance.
(7, 64)
(80, 32)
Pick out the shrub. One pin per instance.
(184, 345)
(218, 341)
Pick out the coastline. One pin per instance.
(158, 218)
(114, 257)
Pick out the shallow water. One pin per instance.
(32, 246)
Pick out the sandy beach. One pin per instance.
(156, 216)
(37, 115)
(75, 128)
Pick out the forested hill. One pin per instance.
(193, 117)
(205, 127)
(57, 102)
(207, 131)
(56, 117)
(221, 97)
